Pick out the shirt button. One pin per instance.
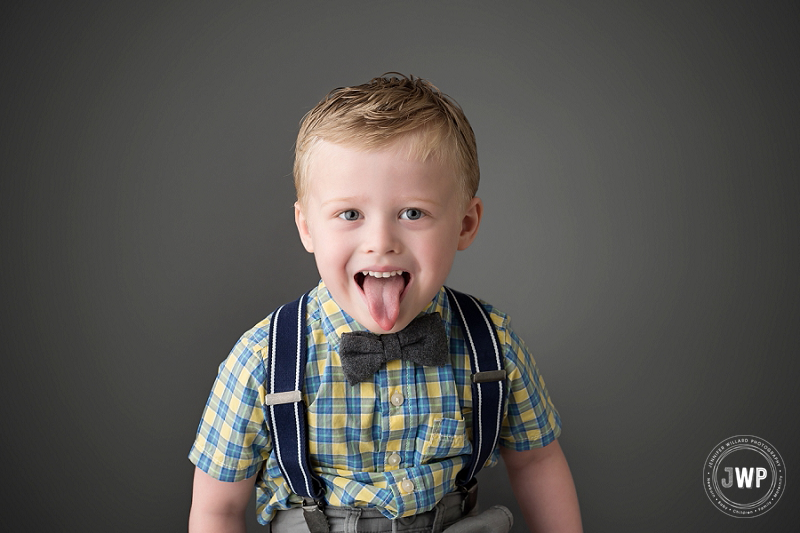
(393, 459)
(407, 485)
(397, 398)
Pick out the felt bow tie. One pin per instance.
(423, 341)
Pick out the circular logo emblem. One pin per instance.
(744, 476)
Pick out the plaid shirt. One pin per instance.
(411, 422)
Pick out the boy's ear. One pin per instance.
(302, 228)
(470, 223)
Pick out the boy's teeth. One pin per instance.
(382, 274)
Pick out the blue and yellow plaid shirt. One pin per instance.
(411, 422)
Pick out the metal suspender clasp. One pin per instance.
(470, 490)
(315, 517)
(278, 398)
(489, 376)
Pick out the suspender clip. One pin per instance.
(315, 517)
(470, 491)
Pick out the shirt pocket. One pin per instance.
(444, 438)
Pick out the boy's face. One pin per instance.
(397, 220)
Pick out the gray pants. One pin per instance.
(445, 517)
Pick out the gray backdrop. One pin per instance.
(640, 176)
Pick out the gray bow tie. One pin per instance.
(423, 341)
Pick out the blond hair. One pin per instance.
(376, 114)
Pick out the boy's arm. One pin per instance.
(218, 506)
(542, 484)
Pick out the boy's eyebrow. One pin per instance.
(404, 199)
(341, 200)
(420, 200)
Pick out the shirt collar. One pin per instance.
(335, 321)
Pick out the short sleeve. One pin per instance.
(532, 420)
(232, 434)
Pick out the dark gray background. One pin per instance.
(640, 176)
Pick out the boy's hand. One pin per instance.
(218, 506)
(543, 486)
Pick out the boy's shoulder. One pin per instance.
(256, 339)
(500, 319)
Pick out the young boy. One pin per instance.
(386, 175)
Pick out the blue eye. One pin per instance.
(411, 214)
(350, 214)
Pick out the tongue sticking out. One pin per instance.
(383, 299)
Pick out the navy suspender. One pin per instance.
(285, 410)
(488, 380)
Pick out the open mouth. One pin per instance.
(361, 276)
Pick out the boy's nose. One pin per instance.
(382, 238)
